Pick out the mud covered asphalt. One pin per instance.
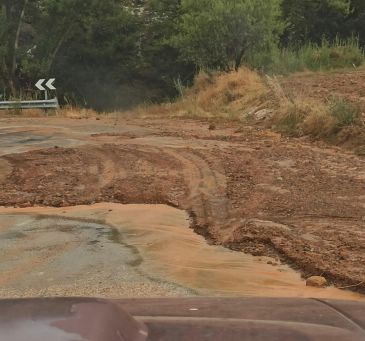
(293, 204)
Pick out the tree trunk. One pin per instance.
(57, 48)
(14, 44)
(238, 60)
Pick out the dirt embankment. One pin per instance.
(350, 85)
(251, 190)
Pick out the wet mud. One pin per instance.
(105, 249)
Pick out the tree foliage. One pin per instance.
(116, 53)
(312, 20)
(219, 33)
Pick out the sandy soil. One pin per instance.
(252, 190)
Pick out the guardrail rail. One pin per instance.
(35, 104)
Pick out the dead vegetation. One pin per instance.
(65, 112)
(245, 97)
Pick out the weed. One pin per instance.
(313, 57)
(289, 118)
(344, 112)
(319, 124)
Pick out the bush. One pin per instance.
(319, 120)
(319, 124)
(344, 112)
(313, 57)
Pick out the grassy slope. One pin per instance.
(329, 106)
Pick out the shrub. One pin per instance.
(344, 112)
(290, 116)
(319, 124)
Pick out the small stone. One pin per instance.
(317, 282)
(212, 126)
(273, 263)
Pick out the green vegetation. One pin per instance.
(219, 34)
(345, 113)
(311, 56)
(117, 53)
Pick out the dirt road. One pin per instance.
(252, 191)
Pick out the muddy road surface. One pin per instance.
(251, 211)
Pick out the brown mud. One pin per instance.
(139, 250)
(253, 190)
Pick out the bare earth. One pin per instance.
(349, 85)
(252, 191)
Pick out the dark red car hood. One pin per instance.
(81, 319)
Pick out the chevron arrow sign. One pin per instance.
(45, 85)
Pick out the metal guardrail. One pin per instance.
(43, 104)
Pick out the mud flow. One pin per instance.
(130, 208)
(115, 250)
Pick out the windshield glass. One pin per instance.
(182, 148)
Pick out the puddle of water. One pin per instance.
(169, 251)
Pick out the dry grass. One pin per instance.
(230, 92)
(217, 96)
(76, 113)
(336, 121)
(66, 112)
(319, 124)
(226, 95)
(246, 97)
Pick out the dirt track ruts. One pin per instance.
(253, 191)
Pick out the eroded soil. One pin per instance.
(252, 191)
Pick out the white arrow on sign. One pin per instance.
(49, 84)
(41, 86)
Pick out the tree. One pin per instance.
(313, 20)
(99, 52)
(219, 33)
(355, 22)
(159, 60)
(12, 15)
(86, 44)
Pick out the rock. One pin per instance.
(273, 263)
(263, 114)
(212, 126)
(317, 282)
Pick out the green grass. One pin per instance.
(344, 112)
(310, 57)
